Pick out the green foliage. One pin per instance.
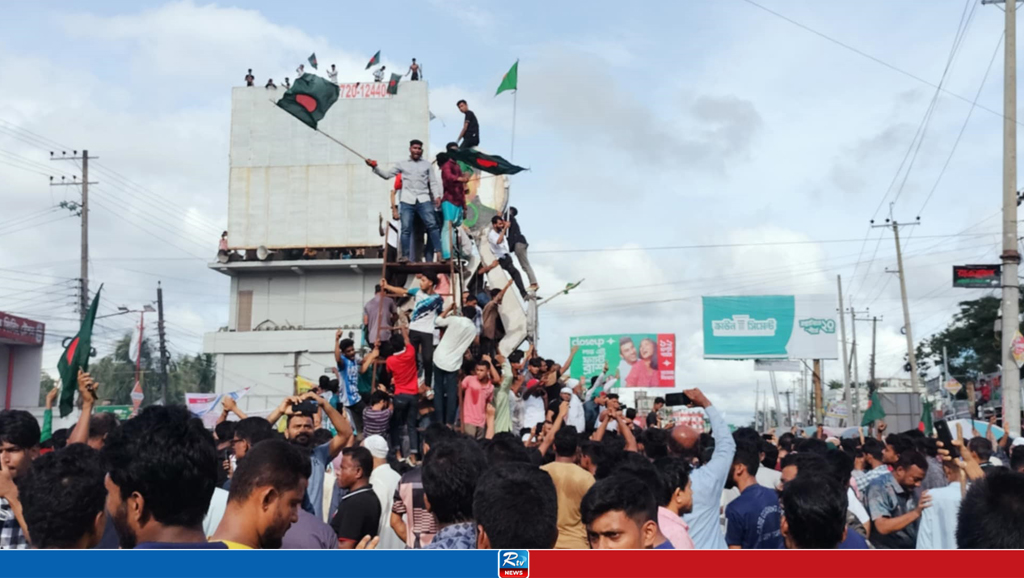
(46, 383)
(834, 384)
(971, 345)
(115, 373)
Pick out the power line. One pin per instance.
(869, 57)
(732, 245)
(963, 127)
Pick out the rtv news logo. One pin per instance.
(513, 563)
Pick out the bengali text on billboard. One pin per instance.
(770, 327)
(637, 359)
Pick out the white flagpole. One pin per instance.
(512, 150)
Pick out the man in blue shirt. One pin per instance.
(299, 431)
(348, 376)
(708, 480)
(895, 511)
(937, 529)
(753, 519)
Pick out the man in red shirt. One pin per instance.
(453, 203)
(404, 376)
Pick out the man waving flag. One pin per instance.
(309, 99)
(76, 357)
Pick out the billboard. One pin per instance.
(638, 359)
(770, 327)
(290, 187)
(978, 276)
(18, 330)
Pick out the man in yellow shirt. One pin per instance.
(571, 483)
(266, 492)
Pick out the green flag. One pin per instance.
(874, 411)
(925, 424)
(75, 357)
(374, 60)
(510, 81)
(393, 83)
(312, 60)
(309, 98)
(489, 163)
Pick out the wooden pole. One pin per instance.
(380, 308)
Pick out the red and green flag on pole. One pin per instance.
(488, 163)
(312, 60)
(874, 411)
(76, 357)
(309, 99)
(373, 61)
(510, 81)
(393, 83)
(926, 425)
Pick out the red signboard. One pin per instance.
(666, 359)
(15, 329)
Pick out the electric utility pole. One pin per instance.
(83, 291)
(1010, 256)
(890, 222)
(874, 332)
(856, 371)
(846, 365)
(164, 356)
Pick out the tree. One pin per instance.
(115, 373)
(46, 383)
(971, 345)
(834, 384)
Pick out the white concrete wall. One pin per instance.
(292, 187)
(314, 299)
(28, 363)
(319, 301)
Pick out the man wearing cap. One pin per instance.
(384, 481)
(576, 417)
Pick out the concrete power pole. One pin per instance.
(164, 356)
(890, 222)
(856, 370)
(1010, 256)
(819, 411)
(842, 338)
(874, 331)
(83, 280)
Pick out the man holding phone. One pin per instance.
(299, 431)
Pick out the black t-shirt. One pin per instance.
(358, 515)
(652, 419)
(473, 131)
(515, 235)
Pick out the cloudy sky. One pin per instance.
(651, 134)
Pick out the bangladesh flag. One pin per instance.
(488, 163)
(925, 425)
(874, 411)
(373, 61)
(510, 81)
(309, 98)
(312, 60)
(393, 83)
(76, 357)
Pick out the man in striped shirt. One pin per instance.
(873, 458)
(410, 518)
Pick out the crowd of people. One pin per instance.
(491, 452)
(415, 72)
